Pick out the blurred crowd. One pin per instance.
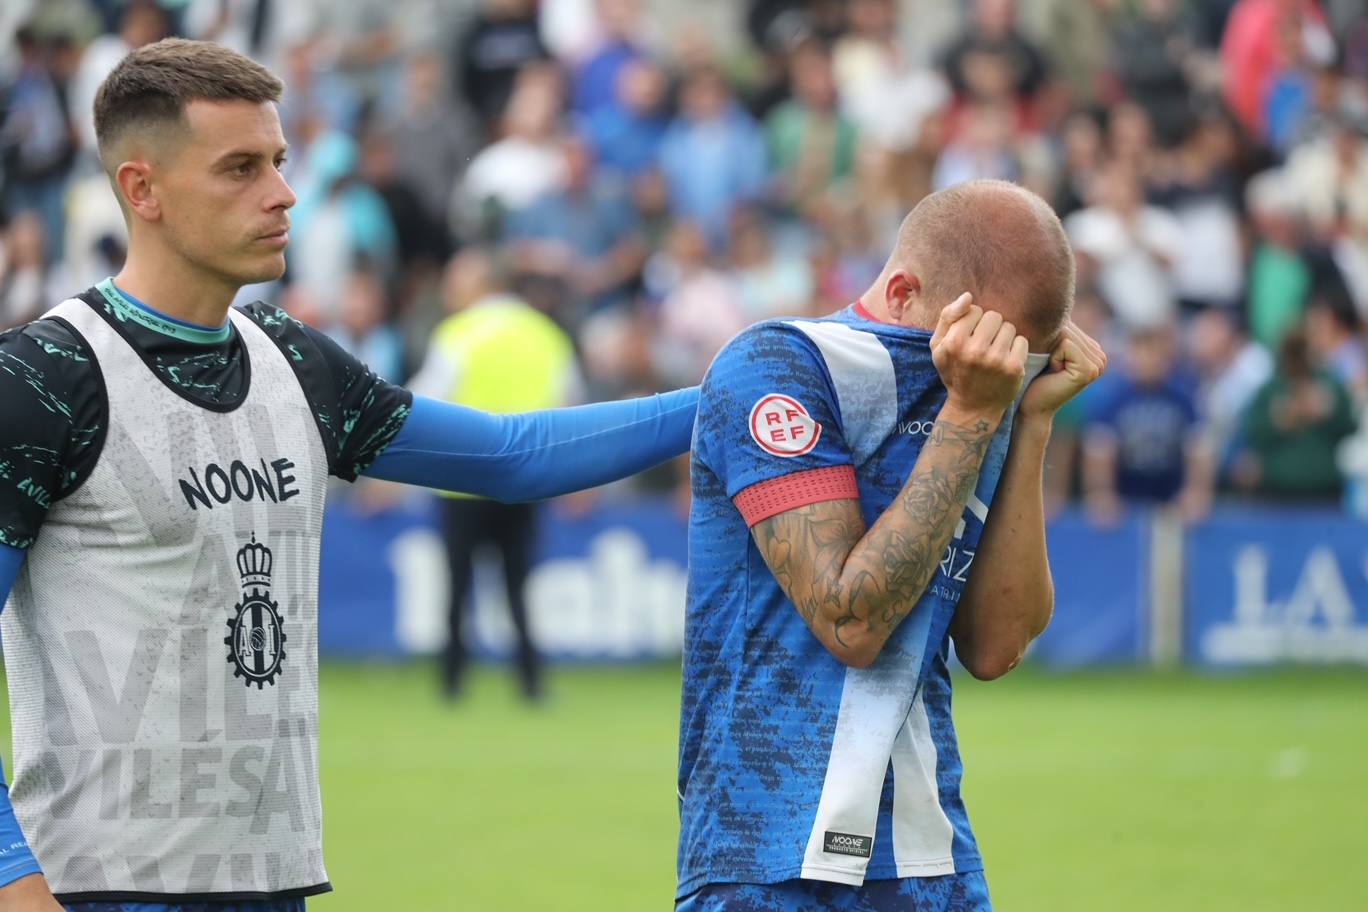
(655, 176)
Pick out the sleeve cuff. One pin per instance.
(18, 867)
(764, 499)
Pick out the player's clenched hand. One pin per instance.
(1076, 361)
(980, 359)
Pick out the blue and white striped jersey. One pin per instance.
(791, 764)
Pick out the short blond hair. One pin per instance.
(992, 238)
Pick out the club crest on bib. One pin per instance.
(256, 632)
(783, 427)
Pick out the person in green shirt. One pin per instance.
(1294, 427)
(812, 145)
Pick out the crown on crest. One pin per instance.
(254, 564)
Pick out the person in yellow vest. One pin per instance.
(498, 354)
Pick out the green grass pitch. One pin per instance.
(1117, 791)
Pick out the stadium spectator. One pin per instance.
(993, 38)
(568, 28)
(1141, 442)
(1076, 38)
(26, 287)
(497, 354)
(1251, 51)
(1081, 159)
(713, 155)
(140, 22)
(521, 166)
(1231, 368)
(1279, 277)
(1130, 138)
(1293, 427)
(1198, 186)
(261, 29)
(1329, 177)
(984, 148)
(1334, 332)
(320, 98)
(595, 83)
(1153, 47)
(37, 140)
(811, 144)
(770, 283)
(421, 240)
(1128, 246)
(888, 97)
(626, 136)
(583, 236)
(500, 40)
(362, 328)
(1291, 89)
(701, 306)
(337, 218)
(432, 134)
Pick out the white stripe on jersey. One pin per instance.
(922, 833)
(874, 706)
(873, 724)
(866, 385)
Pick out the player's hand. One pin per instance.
(1076, 361)
(28, 894)
(980, 359)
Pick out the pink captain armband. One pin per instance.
(764, 499)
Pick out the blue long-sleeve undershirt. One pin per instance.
(16, 860)
(535, 455)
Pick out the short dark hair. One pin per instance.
(991, 237)
(151, 86)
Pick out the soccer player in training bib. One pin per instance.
(867, 487)
(163, 462)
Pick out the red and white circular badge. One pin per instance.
(783, 427)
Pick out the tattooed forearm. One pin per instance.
(854, 587)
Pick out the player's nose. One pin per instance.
(282, 197)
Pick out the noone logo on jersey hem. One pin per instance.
(783, 427)
(256, 631)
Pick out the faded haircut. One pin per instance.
(994, 240)
(149, 89)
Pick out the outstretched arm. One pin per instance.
(535, 455)
(1010, 595)
(854, 587)
(21, 880)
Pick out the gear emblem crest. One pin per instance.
(256, 630)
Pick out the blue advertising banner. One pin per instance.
(608, 584)
(1265, 586)
(1102, 597)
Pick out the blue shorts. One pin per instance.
(950, 893)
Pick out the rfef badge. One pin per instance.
(783, 427)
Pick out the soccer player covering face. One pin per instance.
(867, 488)
(163, 463)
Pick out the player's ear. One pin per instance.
(134, 181)
(902, 292)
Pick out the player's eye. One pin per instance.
(242, 170)
(280, 162)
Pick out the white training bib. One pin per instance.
(161, 644)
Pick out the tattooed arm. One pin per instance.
(854, 587)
